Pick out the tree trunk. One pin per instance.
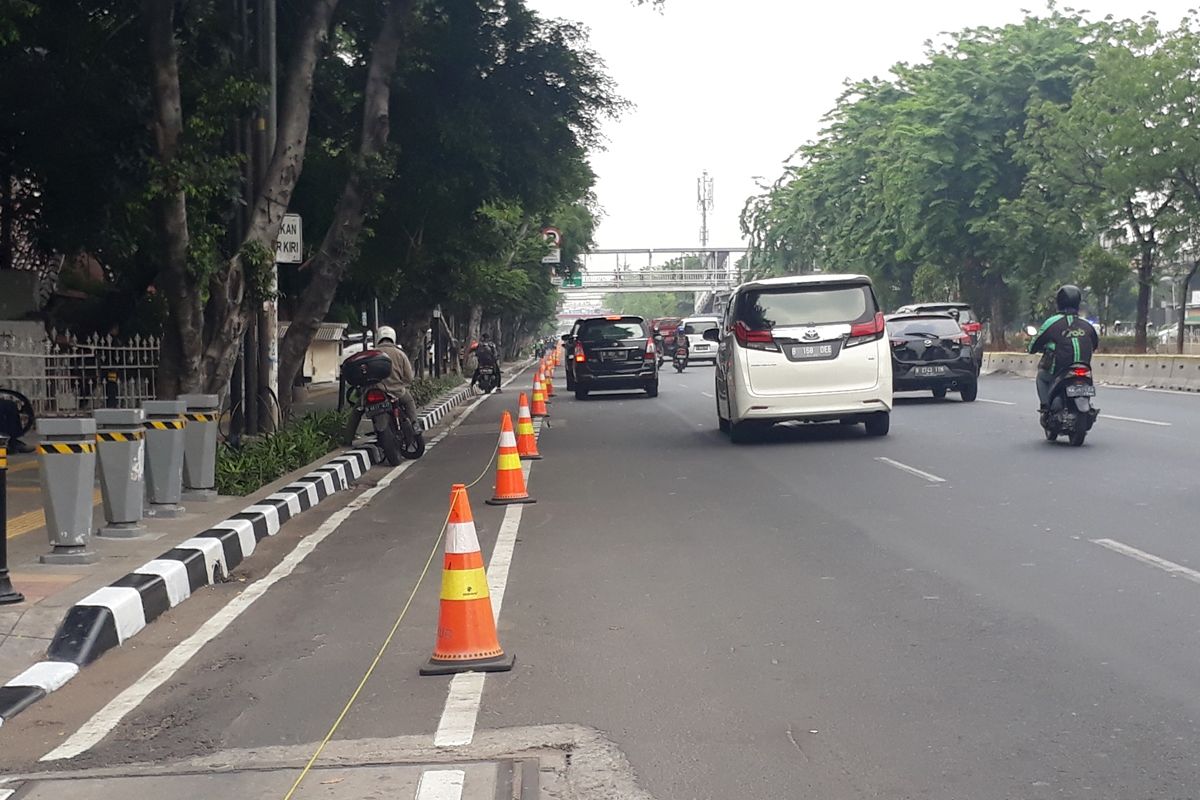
(1187, 282)
(1145, 284)
(183, 342)
(338, 248)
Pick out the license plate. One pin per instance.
(805, 351)
(1081, 390)
(612, 355)
(928, 371)
(377, 408)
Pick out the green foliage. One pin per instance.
(650, 304)
(426, 390)
(241, 471)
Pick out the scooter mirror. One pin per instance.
(1030, 330)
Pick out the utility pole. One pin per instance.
(268, 314)
(704, 202)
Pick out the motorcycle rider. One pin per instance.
(486, 357)
(395, 384)
(1064, 339)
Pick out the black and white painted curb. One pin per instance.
(432, 416)
(110, 616)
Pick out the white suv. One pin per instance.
(811, 348)
(699, 348)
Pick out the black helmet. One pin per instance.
(1068, 298)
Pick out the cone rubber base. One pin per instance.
(500, 501)
(498, 664)
(531, 458)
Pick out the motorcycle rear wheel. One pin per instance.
(1077, 437)
(413, 443)
(389, 440)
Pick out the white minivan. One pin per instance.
(699, 348)
(811, 348)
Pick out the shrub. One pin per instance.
(426, 390)
(246, 469)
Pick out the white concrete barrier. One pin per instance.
(1180, 373)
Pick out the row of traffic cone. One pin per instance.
(466, 636)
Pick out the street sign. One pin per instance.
(556, 280)
(554, 237)
(290, 244)
(573, 282)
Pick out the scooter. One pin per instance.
(489, 378)
(680, 359)
(1072, 411)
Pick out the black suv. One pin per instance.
(613, 352)
(966, 318)
(931, 352)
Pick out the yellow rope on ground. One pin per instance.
(386, 642)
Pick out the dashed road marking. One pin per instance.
(1148, 558)
(920, 473)
(1139, 421)
(994, 402)
(709, 395)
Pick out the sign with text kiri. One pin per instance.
(554, 237)
(290, 244)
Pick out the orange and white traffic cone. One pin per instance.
(538, 408)
(526, 440)
(548, 375)
(466, 631)
(510, 480)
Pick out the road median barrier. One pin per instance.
(1178, 373)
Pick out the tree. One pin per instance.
(1102, 272)
(1110, 150)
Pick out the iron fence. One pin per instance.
(63, 376)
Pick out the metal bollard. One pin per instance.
(67, 456)
(200, 446)
(8, 594)
(164, 456)
(122, 451)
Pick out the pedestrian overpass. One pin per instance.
(624, 270)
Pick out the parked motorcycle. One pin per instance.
(1072, 410)
(395, 433)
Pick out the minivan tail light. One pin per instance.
(964, 339)
(754, 339)
(650, 350)
(972, 327)
(866, 331)
(580, 357)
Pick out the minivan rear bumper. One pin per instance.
(812, 407)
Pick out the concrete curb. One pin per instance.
(434, 415)
(110, 616)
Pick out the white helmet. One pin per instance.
(385, 332)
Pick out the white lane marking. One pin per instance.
(1148, 558)
(912, 470)
(107, 718)
(994, 402)
(709, 395)
(1135, 419)
(441, 784)
(457, 725)
(7, 793)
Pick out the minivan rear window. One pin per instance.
(795, 306)
(604, 330)
(918, 326)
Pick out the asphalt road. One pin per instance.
(959, 610)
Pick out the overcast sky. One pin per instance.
(736, 87)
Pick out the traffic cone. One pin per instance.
(510, 480)
(526, 441)
(548, 375)
(466, 631)
(539, 397)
